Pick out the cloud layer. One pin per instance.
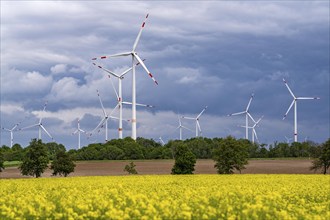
(202, 54)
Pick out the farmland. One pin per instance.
(168, 197)
(152, 167)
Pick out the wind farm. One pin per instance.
(179, 88)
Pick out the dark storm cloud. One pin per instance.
(201, 53)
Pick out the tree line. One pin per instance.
(228, 153)
(128, 149)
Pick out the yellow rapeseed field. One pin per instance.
(167, 197)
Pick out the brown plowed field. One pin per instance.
(108, 168)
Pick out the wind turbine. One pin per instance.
(294, 102)
(287, 139)
(198, 127)
(120, 77)
(135, 57)
(247, 115)
(79, 130)
(180, 128)
(253, 130)
(11, 133)
(40, 125)
(104, 120)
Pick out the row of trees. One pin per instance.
(230, 154)
(125, 149)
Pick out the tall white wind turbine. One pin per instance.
(120, 77)
(39, 125)
(135, 58)
(198, 126)
(161, 141)
(11, 133)
(294, 102)
(180, 127)
(79, 130)
(247, 115)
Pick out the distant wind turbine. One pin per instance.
(198, 127)
(247, 115)
(287, 139)
(39, 125)
(180, 128)
(294, 102)
(161, 141)
(253, 130)
(135, 57)
(11, 133)
(79, 130)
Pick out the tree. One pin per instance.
(323, 160)
(53, 148)
(130, 168)
(35, 161)
(62, 164)
(185, 160)
(230, 154)
(2, 167)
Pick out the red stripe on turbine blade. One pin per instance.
(156, 82)
(147, 15)
(99, 67)
(143, 24)
(150, 75)
(103, 57)
(94, 58)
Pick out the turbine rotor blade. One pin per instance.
(289, 109)
(199, 115)
(287, 86)
(304, 98)
(106, 70)
(187, 128)
(189, 118)
(31, 126)
(98, 94)
(248, 106)
(238, 113)
(43, 128)
(114, 88)
(45, 105)
(113, 55)
(139, 34)
(145, 68)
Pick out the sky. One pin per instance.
(202, 53)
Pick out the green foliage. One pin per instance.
(130, 168)
(62, 164)
(323, 159)
(2, 166)
(230, 154)
(35, 160)
(185, 160)
(53, 148)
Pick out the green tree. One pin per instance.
(323, 160)
(130, 168)
(2, 167)
(35, 161)
(185, 160)
(230, 154)
(53, 148)
(62, 164)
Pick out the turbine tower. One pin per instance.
(247, 115)
(198, 127)
(135, 58)
(40, 125)
(79, 130)
(294, 102)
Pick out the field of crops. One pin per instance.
(168, 197)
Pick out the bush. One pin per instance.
(130, 168)
(323, 158)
